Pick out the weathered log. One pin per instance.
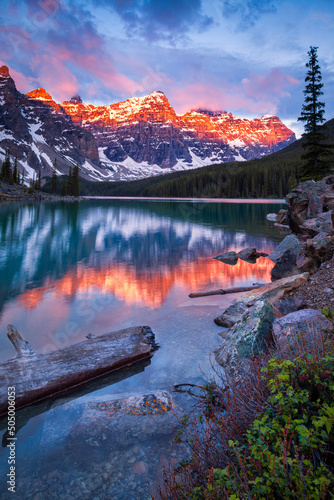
(39, 376)
(23, 348)
(221, 291)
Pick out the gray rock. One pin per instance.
(250, 254)
(285, 266)
(306, 328)
(291, 304)
(228, 258)
(271, 217)
(314, 206)
(282, 217)
(290, 243)
(232, 314)
(248, 337)
(285, 257)
(271, 292)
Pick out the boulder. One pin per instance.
(290, 305)
(271, 292)
(314, 207)
(321, 247)
(250, 254)
(329, 202)
(285, 257)
(306, 328)
(290, 243)
(285, 266)
(228, 258)
(232, 314)
(248, 337)
(282, 217)
(307, 264)
(271, 217)
(308, 200)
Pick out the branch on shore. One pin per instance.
(221, 291)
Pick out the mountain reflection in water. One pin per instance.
(69, 269)
(63, 263)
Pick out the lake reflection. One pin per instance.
(69, 269)
(62, 265)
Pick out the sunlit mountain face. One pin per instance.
(136, 138)
(100, 264)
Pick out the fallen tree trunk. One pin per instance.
(35, 377)
(221, 291)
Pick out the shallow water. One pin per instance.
(69, 269)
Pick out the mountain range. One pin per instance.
(134, 139)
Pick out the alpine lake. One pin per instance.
(68, 269)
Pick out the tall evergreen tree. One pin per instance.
(54, 176)
(39, 181)
(316, 164)
(63, 188)
(75, 181)
(6, 169)
(15, 172)
(70, 183)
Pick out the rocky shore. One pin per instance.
(14, 192)
(302, 282)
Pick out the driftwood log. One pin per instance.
(221, 291)
(39, 376)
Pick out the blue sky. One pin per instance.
(243, 56)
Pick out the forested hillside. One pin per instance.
(269, 177)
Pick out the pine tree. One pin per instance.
(75, 181)
(316, 164)
(54, 176)
(63, 188)
(15, 172)
(70, 185)
(39, 181)
(6, 170)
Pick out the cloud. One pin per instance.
(247, 12)
(274, 85)
(61, 50)
(163, 19)
(229, 97)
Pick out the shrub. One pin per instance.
(286, 450)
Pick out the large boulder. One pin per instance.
(306, 328)
(290, 243)
(232, 314)
(271, 292)
(308, 200)
(285, 257)
(248, 337)
(321, 247)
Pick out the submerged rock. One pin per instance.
(228, 258)
(250, 254)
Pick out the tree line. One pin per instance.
(69, 185)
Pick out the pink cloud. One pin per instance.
(229, 97)
(274, 84)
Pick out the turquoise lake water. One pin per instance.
(98, 265)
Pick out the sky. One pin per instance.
(243, 56)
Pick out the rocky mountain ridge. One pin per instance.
(137, 138)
